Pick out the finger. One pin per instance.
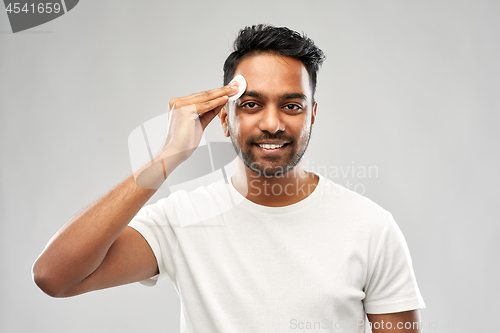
(210, 105)
(208, 116)
(205, 96)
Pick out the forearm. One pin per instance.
(82, 243)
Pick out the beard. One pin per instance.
(271, 166)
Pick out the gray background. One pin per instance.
(409, 87)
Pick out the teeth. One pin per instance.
(270, 146)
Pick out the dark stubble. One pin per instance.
(273, 170)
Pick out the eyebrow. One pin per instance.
(295, 96)
(249, 93)
(255, 94)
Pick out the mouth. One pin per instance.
(272, 146)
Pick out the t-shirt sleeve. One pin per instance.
(153, 224)
(391, 285)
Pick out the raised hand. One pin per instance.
(187, 119)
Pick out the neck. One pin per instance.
(290, 188)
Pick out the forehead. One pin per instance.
(274, 75)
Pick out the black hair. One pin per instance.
(264, 38)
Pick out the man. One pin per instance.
(276, 248)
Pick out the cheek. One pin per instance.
(305, 129)
(233, 124)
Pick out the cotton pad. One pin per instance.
(242, 86)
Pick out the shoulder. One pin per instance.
(214, 191)
(353, 206)
(188, 207)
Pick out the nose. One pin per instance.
(271, 120)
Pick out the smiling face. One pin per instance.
(270, 124)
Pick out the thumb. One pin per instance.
(208, 116)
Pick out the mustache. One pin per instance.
(268, 136)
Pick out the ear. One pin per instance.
(313, 117)
(223, 120)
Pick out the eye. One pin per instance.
(293, 108)
(249, 105)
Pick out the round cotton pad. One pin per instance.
(242, 86)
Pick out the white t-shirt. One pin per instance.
(316, 265)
